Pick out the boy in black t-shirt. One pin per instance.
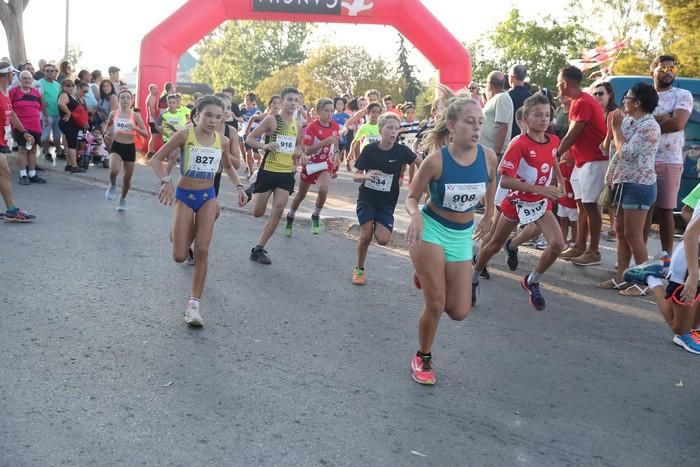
(378, 169)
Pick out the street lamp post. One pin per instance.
(65, 44)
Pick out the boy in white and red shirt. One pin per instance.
(321, 144)
(566, 209)
(527, 170)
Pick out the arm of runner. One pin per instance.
(226, 160)
(178, 140)
(235, 149)
(140, 126)
(575, 129)
(299, 153)
(109, 127)
(561, 184)
(354, 119)
(268, 124)
(690, 241)
(428, 171)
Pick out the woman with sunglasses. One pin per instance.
(604, 94)
(122, 126)
(475, 94)
(632, 176)
(71, 108)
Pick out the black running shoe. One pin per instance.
(24, 180)
(39, 168)
(259, 255)
(475, 289)
(76, 170)
(61, 155)
(36, 179)
(512, 260)
(536, 298)
(485, 274)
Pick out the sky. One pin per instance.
(110, 33)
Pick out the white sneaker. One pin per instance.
(192, 316)
(111, 192)
(122, 205)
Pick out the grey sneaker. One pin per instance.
(111, 192)
(122, 205)
(192, 316)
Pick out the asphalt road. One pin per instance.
(296, 366)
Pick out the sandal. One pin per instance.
(634, 291)
(612, 284)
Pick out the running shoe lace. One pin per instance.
(426, 362)
(695, 336)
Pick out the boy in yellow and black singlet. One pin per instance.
(283, 153)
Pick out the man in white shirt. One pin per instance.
(498, 114)
(672, 114)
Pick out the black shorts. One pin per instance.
(674, 290)
(154, 129)
(126, 151)
(19, 138)
(370, 212)
(71, 131)
(270, 181)
(348, 141)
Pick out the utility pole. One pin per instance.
(65, 44)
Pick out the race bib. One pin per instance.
(316, 167)
(409, 140)
(461, 197)
(204, 159)
(380, 183)
(287, 144)
(372, 139)
(122, 125)
(530, 212)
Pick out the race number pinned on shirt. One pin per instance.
(122, 125)
(286, 144)
(409, 140)
(204, 159)
(461, 197)
(316, 167)
(380, 182)
(530, 212)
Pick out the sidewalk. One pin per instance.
(339, 216)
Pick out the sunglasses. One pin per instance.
(667, 69)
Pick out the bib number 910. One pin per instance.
(530, 212)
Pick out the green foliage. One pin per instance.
(407, 72)
(243, 53)
(332, 71)
(544, 45)
(682, 33)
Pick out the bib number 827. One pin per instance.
(204, 159)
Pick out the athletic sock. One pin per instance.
(193, 299)
(475, 276)
(32, 173)
(317, 211)
(291, 213)
(22, 173)
(533, 278)
(653, 281)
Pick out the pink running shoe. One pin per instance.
(421, 369)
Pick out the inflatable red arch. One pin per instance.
(162, 47)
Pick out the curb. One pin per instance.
(350, 228)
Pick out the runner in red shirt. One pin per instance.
(321, 143)
(8, 120)
(527, 170)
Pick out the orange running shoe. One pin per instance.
(358, 276)
(421, 369)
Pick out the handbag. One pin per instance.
(605, 199)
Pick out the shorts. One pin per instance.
(635, 195)
(270, 181)
(19, 138)
(154, 129)
(311, 179)
(588, 180)
(567, 213)
(673, 292)
(456, 243)
(195, 199)
(50, 127)
(71, 131)
(510, 212)
(5, 150)
(370, 212)
(126, 151)
(668, 182)
(347, 142)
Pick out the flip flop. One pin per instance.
(634, 291)
(612, 284)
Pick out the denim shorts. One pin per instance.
(636, 195)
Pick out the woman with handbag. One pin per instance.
(632, 178)
(74, 117)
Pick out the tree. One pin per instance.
(407, 71)
(682, 33)
(279, 80)
(543, 45)
(243, 53)
(11, 16)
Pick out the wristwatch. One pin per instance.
(166, 179)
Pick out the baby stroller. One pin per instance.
(91, 148)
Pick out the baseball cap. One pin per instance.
(7, 68)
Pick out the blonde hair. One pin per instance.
(439, 135)
(385, 117)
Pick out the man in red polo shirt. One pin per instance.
(586, 132)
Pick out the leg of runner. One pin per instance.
(203, 229)
(280, 197)
(115, 165)
(530, 232)
(323, 181)
(503, 230)
(182, 236)
(555, 245)
(12, 213)
(296, 202)
(126, 183)
(366, 232)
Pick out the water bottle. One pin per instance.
(28, 145)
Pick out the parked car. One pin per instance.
(691, 149)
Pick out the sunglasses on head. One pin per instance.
(667, 69)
